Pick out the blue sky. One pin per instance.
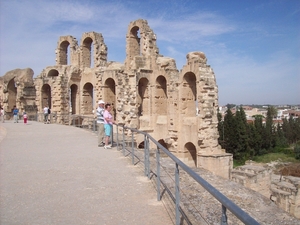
(253, 46)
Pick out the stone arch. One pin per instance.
(140, 40)
(134, 42)
(87, 98)
(46, 96)
(191, 154)
(53, 73)
(161, 97)
(74, 100)
(143, 97)
(188, 94)
(163, 143)
(110, 94)
(11, 95)
(93, 51)
(86, 49)
(66, 47)
(63, 47)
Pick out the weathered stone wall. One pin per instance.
(147, 92)
(285, 193)
(283, 190)
(17, 89)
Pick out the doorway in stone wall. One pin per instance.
(110, 95)
(46, 96)
(161, 98)
(87, 99)
(190, 154)
(143, 97)
(12, 95)
(74, 98)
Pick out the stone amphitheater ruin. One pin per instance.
(148, 93)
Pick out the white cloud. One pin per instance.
(250, 59)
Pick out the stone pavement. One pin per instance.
(56, 174)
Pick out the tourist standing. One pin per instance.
(2, 113)
(108, 125)
(25, 117)
(46, 114)
(100, 122)
(16, 114)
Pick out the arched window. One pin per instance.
(161, 99)
(87, 56)
(188, 94)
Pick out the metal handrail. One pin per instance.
(225, 202)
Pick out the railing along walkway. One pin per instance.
(168, 170)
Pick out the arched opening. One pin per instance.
(63, 56)
(134, 42)
(87, 52)
(189, 94)
(46, 96)
(163, 143)
(53, 73)
(87, 99)
(110, 94)
(191, 155)
(161, 99)
(143, 97)
(12, 95)
(73, 98)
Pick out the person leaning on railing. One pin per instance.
(108, 122)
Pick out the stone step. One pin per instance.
(284, 186)
(242, 173)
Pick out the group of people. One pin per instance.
(105, 123)
(15, 113)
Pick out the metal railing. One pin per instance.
(180, 215)
(153, 168)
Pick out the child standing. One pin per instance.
(25, 117)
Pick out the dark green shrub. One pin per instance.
(297, 151)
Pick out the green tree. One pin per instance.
(242, 150)
(258, 133)
(220, 129)
(230, 142)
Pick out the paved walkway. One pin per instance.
(56, 174)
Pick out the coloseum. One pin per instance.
(147, 90)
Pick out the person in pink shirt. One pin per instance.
(108, 123)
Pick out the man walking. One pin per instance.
(46, 114)
(100, 122)
(16, 114)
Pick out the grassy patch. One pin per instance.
(275, 156)
(237, 163)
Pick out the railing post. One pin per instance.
(145, 156)
(118, 137)
(158, 173)
(148, 157)
(224, 216)
(94, 125)
(123, 142)
(177, 195)
(132, 146)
